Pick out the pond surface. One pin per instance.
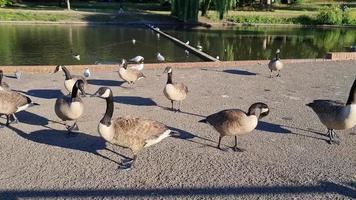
(52, 44)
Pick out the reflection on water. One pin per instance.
(249, 43)
(52, 44)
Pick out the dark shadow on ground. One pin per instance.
(239, 72)
(104, 82)
(31, 118)
(60, 138)
(273, 128)
(309, 130)
(182, 111)
(321, 188)
(135, 101)
(44, 93)
(233, 71)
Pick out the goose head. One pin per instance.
(278, 51)
(168, 70)
(58, 68)
(124, 63)
(103, 92)
(259, 109)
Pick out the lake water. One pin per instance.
(52, 44)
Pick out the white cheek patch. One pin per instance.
(170, 70)
(106, 93)
(264, 110)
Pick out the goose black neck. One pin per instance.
(277, 56)
(352, 95)
(255, 112)
(106, 120)
(74, 92)
(66, 73)
(169, 79)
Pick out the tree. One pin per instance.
(68, 4)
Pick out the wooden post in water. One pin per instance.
(201, 54)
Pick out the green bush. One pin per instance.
(4, 3)
(297, 1)
(330, 15)
(271, 19)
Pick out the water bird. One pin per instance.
(12, 102)
(129, 75)
(133, 41)
(160, 58)
(133, 133)
(3, 85)
(200, 48)
(86, 73)
(336, 115)
(353, 48)
(174, 91)
(70, 79)
(276, 64)
(158, 35)
(187, 43)
(137, 59)
(76, 56)
(186, 52)
(218, 57)
(69, 109)
(18, 74)
(235, 122)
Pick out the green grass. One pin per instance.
(31, 16)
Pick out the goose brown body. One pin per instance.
(174, 91)
(70, 80)
(130, 75)
(132, 133)
(12, 102)
(235, 122)
(336, 115)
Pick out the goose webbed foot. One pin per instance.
(237, 149)
(14, 119)
(278, 75)
(127, 163)
(72, 128)
(333, 137)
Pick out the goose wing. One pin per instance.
(226, 117)
(144, 129)
(134, 73)
(181, 87)
(322, 106)
(11, 101)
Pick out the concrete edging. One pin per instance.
(111, 68)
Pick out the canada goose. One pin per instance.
(158, 36)
(336, 115)
(86, 73)
(234, 122)
(70, 79)
(174, 91)
(137, 59)
(12, 102)
(160, 58)
(276, 64)
(68, 109)
(3, 85)
(129, 75)
(132, 133)
(133, 41)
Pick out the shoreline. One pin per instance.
(199, 25)
(113, 67)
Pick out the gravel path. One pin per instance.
(287, 155)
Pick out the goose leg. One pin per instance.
(278, 75)
(15, 120)
(235, 148)
(333, 138)
(172, 105)
(220, 137)
(127, 164)
(74, 127)
(271, 74)
(179, 104)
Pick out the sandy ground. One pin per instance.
(287, 155)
